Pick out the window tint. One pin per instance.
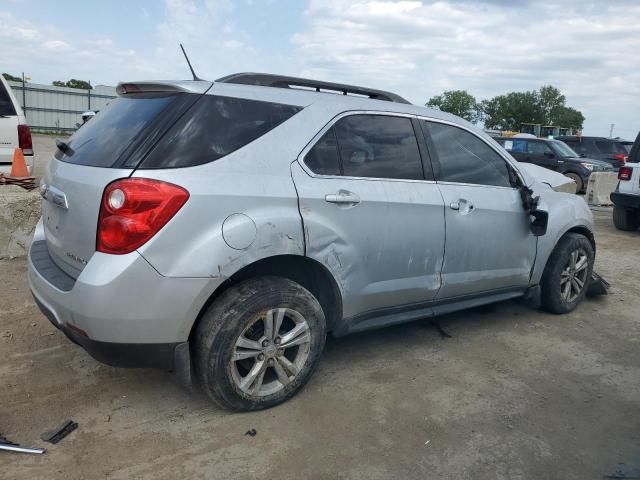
(101, 141)
(379, 146)
(609, 147)
(6, 105)
(214, 127)
(464, 158)
(323, 157)
(576, 145)
(537, 148)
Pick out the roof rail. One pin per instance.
(280, 81)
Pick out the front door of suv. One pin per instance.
(370, 214)
(489, 246)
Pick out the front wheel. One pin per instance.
(566, 277)
(259, 343)
(576, 178)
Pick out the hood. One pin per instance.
(555, 180)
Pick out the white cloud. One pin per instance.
(421, 48)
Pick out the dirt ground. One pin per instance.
(513, 394)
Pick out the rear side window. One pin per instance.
(464, 158)
(103, 139)
(6, 105)
(514, 145)
(214, 127)
(379, 146)
(323, 157)
(610, 147)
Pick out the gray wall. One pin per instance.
(58, 109)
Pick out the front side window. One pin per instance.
(378, 146)
(464, 158)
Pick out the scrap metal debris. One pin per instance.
(28, 183)
(10, 446)
(58, 433)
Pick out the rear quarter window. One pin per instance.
(6, 105)
(215, 127)
(103, 139)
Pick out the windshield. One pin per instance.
(564, 149)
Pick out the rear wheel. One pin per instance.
(626, 219)
(576, 178)
(259, 343)
(566, 277)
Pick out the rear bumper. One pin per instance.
(119, 309)
(625, 200)
(143, 355)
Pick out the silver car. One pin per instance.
(224, 228)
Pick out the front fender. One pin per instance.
(566, 211)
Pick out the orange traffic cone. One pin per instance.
(19, 166)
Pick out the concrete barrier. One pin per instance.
(19, 214)
(600, 185)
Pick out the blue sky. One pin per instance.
(416, 48)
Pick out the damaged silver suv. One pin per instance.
(224, 228)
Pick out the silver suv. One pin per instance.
(225, 227)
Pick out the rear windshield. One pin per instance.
(605, 146)
(103, 139)
(6, 105)
(214, 127)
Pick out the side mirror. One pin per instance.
(583, 155)
(539, 221)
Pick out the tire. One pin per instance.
(558, 273)
(236, 325)
(626, 219)
(576, 178)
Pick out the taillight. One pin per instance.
(621, 157)
(625, 173)
(24, 139)
(133, 210)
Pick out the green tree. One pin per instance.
(507, 112)
(13, 78)
(457, 102)
(546, 106)
(568, 117)
(73, 83)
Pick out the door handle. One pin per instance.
(462, 205)
(342, 197)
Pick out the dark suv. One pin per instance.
(610, 150)
(554, 155)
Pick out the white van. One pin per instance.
(14, 130)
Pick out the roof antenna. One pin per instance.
(195, 77)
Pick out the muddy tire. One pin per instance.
(259, 343)
(626, 219)
(566, 277)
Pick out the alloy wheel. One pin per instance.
(270, 352)
(573, 277)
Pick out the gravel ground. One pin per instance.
(514, 394)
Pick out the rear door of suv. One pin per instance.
(371, 213)
(489, 245)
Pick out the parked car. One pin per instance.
(229, 226)
(554, 155)
(626, 197)
(610, 150)
(14, 130)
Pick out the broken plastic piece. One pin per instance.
(58, 433)
(597, 285)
